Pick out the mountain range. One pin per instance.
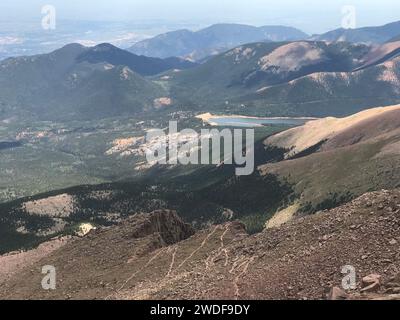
(77, 82)
(197, 45)
(200, 45)
(301, 78)
(379, 34)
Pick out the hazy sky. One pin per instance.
(310, 15)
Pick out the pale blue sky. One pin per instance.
(313, 16)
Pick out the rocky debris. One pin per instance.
(371, 283)
(374, 289)
(166, 223)
(392, 286)
(162, 102)
(14, 262)
(337, 294)
(158, 256)
(84, 229)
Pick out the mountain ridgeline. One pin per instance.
(377, 35)
(145, 66)
(301, 78)
(197, 45)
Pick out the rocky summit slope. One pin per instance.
(158, 256)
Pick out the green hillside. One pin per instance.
(64, 86)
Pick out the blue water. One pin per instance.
(9, 145)
(255, 122)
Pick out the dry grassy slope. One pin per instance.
(363, 123)
(365, 129)
(361, 153)
(379, 53)
(299, 260)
